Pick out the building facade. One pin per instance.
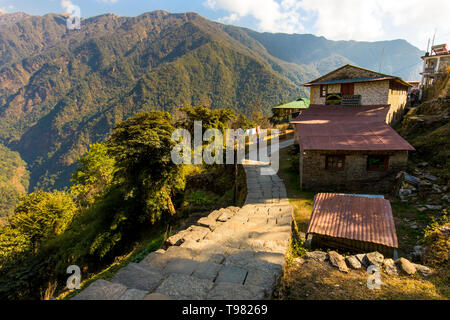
(349, 149)
(435, 65)
(371, 88)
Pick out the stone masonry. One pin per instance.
(232, 254)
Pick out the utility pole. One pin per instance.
(381, 60)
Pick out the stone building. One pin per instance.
(435, 65)
(355, 86)
(348, 148)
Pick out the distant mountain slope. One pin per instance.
(57, 101)
(61, 90)
(397, 57)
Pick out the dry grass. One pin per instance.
(318, 281)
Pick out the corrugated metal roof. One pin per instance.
(353, 217)
(345, 128)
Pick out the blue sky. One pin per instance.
(362, 20)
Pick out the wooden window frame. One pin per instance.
(386, 163)
(341, 156)
(323, 86)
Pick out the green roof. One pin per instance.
(302, 103)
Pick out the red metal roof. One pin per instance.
(347, 128)
(354, 217)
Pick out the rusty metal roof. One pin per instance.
(360, 218)
(348, 128)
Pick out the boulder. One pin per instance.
(406, 266)
(433, 207)
(337, 261)
(360, 258)
(423, 270)
(430, 177)
(353, 262)
(319, 256)
(389, 267)
(373, 258)
(299, 261)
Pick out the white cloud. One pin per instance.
(370, 20)
(271, 15)
(66, 4)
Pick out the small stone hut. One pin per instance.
(351, 149)
(353, 223)
(354, 86)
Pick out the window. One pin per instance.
(334, 162)
(377, 163)
(323, 90)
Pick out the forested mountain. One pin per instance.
(62, 90)
(14, 180)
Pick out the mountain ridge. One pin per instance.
(62, 90)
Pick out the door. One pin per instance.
(348, 89)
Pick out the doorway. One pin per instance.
(348, 89)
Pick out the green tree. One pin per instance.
(142, 148)
(95, 175)
(211, 119)
(41, 216)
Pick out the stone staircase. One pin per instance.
(232, 254)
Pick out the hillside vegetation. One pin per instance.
(125, 189)
(14, 180)
(61, 90)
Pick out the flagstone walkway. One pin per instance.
(232, 254)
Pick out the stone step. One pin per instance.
(139, 276)
(102, 290)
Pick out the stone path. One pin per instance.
(232, 254)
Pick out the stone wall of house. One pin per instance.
(354, 177)
(397, 99)
(444, 63)
(315, 93)
(372, 93)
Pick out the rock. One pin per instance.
(353, 262)
(406, 266)
(299, 261)
(182, 287)
(418, 251)
(389, 267)
(101, 290)
(139, 276)
(430, 177)
(360, 258)
(133, 294)
(436, 189)
(423, 164)
(337, 261)
(445, 229)
(446, 197)
(232, 275)
(156, 296)
(373, 258)
(319, 256)
(433, 207)
(423, 270)
(232, 291)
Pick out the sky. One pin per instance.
(363, 20)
